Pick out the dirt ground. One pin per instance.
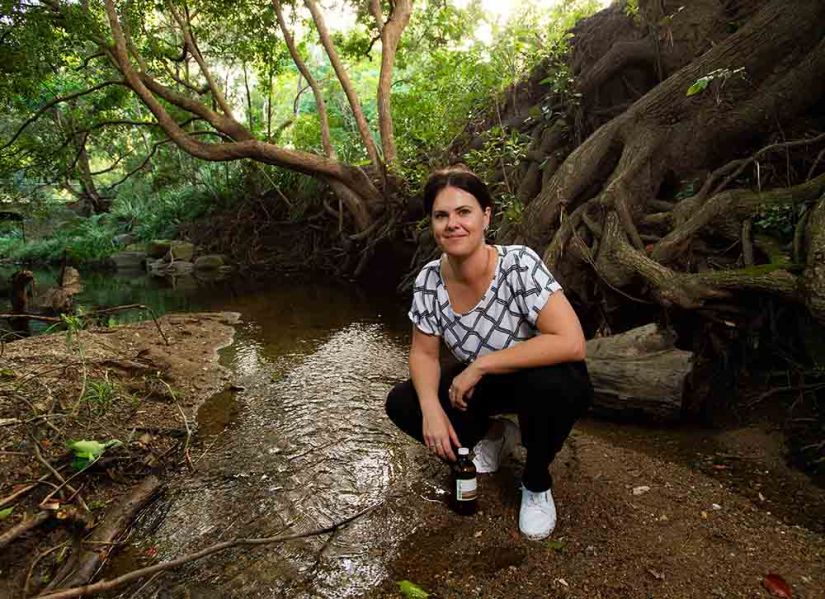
(125, 384)
(630, 525)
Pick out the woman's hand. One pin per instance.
(439, 435)
(463, 386)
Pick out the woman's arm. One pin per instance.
(560, 339)
(425, 371)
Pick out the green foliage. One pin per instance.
(778, 220)
(452, 65)
(5, 513)
(87, 452)
(73, 324)
(99, 395)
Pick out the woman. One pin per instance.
(519, 344)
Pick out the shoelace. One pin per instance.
(536, 498)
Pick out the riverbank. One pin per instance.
(132, 390)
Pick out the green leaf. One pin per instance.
(88, 451)
(555, 545)
(7, 373)
(6, 512)
(698, 86)
(410, 590)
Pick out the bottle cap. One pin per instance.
(463, 451)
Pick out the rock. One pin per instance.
(156, 266)
(209, 262)
(129, 260)
(641, 490)
(123, 239)
(179, 267)
(157, 248)
(181, 250)
(135, 247)
(174, 269)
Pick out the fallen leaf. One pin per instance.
(641, 490)
(6, 512)
(410, 590)
(555, 545)
(655, 574)
(777, 586)
(151, 552)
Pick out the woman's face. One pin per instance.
(458, 221)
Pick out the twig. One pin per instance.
(775, 390)
(40, 556)
(65, 483)
(185, 424)
(211, 445)
(96, 313)
(56, 474)
(106, 585)
(22, 491)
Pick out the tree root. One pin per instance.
(85, 562)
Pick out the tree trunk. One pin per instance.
(638, 372)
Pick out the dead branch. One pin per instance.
(24, 527)
(80, 569)
(56, 474)
(107, 585)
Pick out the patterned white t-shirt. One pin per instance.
(505, 315)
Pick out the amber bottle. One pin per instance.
(465, 487)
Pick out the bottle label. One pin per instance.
(465, 490)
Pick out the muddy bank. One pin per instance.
(134, 389)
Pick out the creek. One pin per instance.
(303, 442)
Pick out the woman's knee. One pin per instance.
(568, 380)
(399, 400)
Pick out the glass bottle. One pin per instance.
(465, 487)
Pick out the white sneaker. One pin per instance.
(487, 453)
(537, 517)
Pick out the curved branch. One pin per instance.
(736, 203)
(302, 68)
(732, 169)
(53, 103)
(346, 84)
(189, 39)
(390, 37)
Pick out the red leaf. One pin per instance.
(777, 586)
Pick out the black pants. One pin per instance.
(547, 399)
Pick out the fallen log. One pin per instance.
(638, 373)
(93, 551)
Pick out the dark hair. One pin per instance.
(456, 176)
